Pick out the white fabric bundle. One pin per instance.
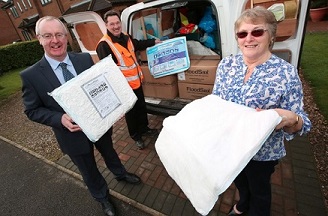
(96, 98)
(207, 144)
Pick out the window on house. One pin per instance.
(20, 8)
(26, 35)
(44, 2)
(24, 5)
(14, 12)
(29, 3)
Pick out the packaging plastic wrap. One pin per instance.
(207, 144)
(96, 98)
(196, 48)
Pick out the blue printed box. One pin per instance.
(169, 57)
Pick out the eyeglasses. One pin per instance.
(254, 33)
(112, 24)
(49, 36)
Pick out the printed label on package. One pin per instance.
(169, 57)
(101, 95)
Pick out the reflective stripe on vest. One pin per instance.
(132, 73)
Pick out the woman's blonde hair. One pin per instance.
(259, 15)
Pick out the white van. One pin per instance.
(208, 26)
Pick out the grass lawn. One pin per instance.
(10, 83)
(314, 63)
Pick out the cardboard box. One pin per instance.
(149, 79)
(193, 91)
(161, 90)
(202, 70)
(286, 27)
(164, 87)
(167, 19)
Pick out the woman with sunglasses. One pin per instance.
(257, 78)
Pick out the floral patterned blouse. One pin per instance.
(273, 84)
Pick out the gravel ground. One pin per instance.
(318, 137)
(15, 126)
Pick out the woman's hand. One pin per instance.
(291, 122)
(289, 119)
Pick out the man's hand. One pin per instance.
(68, 123)
(157, 41)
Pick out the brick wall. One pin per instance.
(8, 33)
(9, 30)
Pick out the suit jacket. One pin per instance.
(37, 81)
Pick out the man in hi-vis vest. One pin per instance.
(122, 47)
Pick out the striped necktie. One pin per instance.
(66, 73)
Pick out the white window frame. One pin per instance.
(45, 2)
(24, 5)
(20, 8)
(26, 35)
(14, 12)
(29, 3)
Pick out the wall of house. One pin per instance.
(26, 13)
(8, 32)
(68, 3)
(56, 8)
(51, 9)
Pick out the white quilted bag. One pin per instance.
(207, 144)
(96, 98)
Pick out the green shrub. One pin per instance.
(19, 55)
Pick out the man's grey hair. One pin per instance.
(48, 18)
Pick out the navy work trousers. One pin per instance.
(136, 118)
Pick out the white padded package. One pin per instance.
(207, 144)
(96, 98)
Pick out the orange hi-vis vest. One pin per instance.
(126, 61)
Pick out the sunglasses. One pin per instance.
(254, 33)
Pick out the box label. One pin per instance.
(194, 91)
(169, 57)
(101, 95)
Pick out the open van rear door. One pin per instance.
(290, 31)
(164, 19)
(87, 29)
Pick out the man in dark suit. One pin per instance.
(48, 74)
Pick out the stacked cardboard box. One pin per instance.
(198, 80)
(287, 27)
(165, 87)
